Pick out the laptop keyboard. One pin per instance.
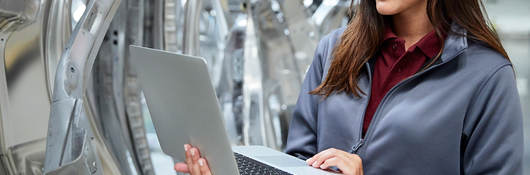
(249, 166)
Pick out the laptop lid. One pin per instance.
(183, 106)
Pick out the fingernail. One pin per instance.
(201, 162)
(192, 152)
(314, 164)
(185, 147)
(322, 167)
(308, 160)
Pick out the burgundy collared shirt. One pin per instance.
(395, 63)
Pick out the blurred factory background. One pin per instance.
(69, 100)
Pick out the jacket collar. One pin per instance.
(455, 43)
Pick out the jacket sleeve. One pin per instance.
(494, 134)
(301, 140)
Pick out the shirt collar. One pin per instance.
(430, 44)
(389, 34)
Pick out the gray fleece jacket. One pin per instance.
(460, 116)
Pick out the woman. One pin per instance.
(409, 87)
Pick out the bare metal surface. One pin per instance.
(30, 156)
(331, 15)
(191, 27)
(154, 23)
(116, 93)
(57, 33)
(4, 159)
(252, 95)
(83, 164)
(300, 29)
(20, 73)
(173, 22)
(132, 94)
(217, 32)
(69, 118)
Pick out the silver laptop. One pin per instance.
(184, 109)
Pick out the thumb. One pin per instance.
(181, 167)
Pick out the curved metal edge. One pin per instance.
(4, 101)
(190, 45)
(57, 30)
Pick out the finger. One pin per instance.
(188, 155)
(194, 169)
(329, 163)
(323, 156)
(326, 154)
(205, 169)
(189, 162)
(345, 165)
(181, 167)
(184, 166)
(195, 154)
(312, 160)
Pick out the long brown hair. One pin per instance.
(363, 37)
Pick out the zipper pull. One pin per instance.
(356, 147)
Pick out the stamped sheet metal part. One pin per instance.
(69, 116)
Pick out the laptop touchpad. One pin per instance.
(282, 161)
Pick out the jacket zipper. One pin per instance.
(360, 143)
(371, 126)
(356, 147)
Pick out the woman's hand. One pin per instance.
(195, 164)
(350, 164)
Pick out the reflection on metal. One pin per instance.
(330, 15)
(84, 162)
(20, 73)
(29, 157)
(70, 124)
(252, 95)
(230, 88)
(58, 30)
(191, 27)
